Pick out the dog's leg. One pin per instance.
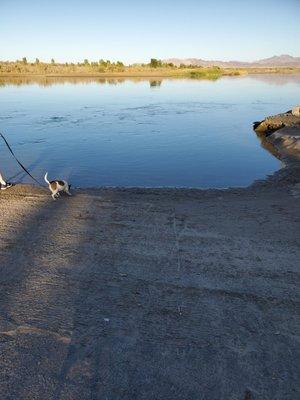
(2, 181)
(68, 191)
(55, 194)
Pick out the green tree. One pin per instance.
(102, 63)
(154, 63)
(24, 60)
(37, 61)
(86, 61)
(52, 61)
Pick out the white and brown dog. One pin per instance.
(57, 186)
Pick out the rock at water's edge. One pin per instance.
(283, 132)
(275, 122)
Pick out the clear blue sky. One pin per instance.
(135, 31)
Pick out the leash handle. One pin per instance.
(21, 165)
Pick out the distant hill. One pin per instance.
(276, 61)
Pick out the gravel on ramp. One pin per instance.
(149, 294)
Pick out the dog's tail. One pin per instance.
(46, 178)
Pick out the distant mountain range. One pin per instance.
(284, 60)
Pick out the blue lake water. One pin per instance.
(170, 133)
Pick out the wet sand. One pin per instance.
(150, 293)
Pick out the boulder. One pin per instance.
(275, 122)
(282, 131)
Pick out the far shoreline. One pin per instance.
(158, 74)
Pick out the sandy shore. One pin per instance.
(150, 294)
